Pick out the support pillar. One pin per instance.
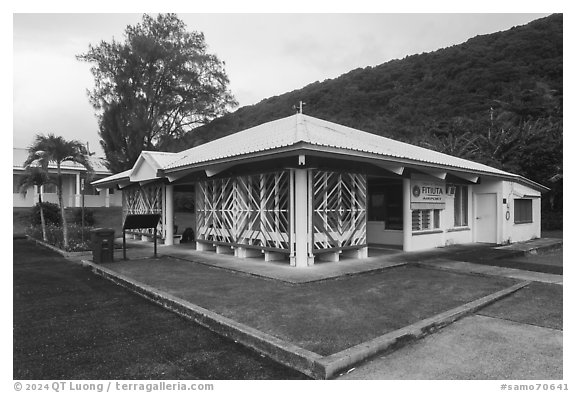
(224, 250)
(107, 197)
(77, 201)
(270, 256)
(300, 258)
(201, 246)
(407, 215)
(242, 252)
(330, 256)
(169, 209)
(359, 253)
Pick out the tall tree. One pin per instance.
(154, 87)
(35, 176)
(55, 149)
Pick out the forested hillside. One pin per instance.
(496, 98)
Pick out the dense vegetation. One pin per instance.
(496, 98)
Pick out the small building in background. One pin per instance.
(72, 181)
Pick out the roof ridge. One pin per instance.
(302, 132)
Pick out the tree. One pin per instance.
(154, 87)
(35, 176)
(51, 148)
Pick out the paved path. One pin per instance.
(518, 337)
(476, 347)
(70, 324)
(467, 267)
(471, 258)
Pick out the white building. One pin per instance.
(302, 189)
(71, 181)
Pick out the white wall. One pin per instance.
(376, 233)
(512, 232)
(25, 201)
(71, 199)
(447, 234)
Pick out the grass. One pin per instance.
(70, 324)
(537, 304)
(323, 317)
(548, 261)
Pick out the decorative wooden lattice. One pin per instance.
(143, 200)
(339, 210)
(250, 210)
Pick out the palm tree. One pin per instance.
(55, 149)
(36, 177)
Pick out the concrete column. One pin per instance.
(407, 215)
(107, 197)
(243, 253)
(224, 250)
(78, 196)
(301, 218)
(169, 211)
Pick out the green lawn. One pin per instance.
(324, 317)
(536, 304)
(70, 324)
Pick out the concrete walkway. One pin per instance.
(469, 258)
(477, 347)
(472, 268)
(281, 271)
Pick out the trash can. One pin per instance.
(102, 244)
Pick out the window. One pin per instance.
(461, 206)
(385, 203)
(522, 211)
(423, 220)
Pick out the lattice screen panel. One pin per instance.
(339, 210)
(251, 210)
(143, 200)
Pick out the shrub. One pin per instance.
(551, 220)
(51, 214)
(88, 217)
(56, 238)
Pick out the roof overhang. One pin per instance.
(396, 165)
(147, 170)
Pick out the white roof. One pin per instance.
(19, 155)
(114, 178)
(303, 132)
(311, 131)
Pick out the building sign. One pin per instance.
(427, 194)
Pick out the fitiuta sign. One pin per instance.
(426, 194)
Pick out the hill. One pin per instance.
(496, 98)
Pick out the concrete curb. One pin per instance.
(283, 352)
(293, 356)
(494, 271)
(396, 339)
(66, 254)
(530, 250)
(288, 281)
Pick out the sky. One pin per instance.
(265, 55)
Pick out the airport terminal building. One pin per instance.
(301, 190)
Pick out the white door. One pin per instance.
(486, 228)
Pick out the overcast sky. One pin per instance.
(265, 55)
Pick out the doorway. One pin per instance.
(384, 211)
(486, 223)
